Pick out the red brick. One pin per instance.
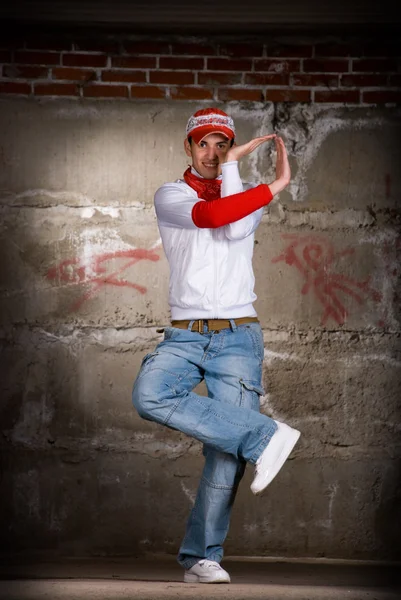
(84, 60)
(106, 46)
(193, 49)
(379, 65)
(277, 66)
(56, 89)
(11, 87)
(239, 50)
(227, 94)
(125, 76)
(146, 47)
(363, 80)
(228, 64)
(25, 72)
(326, 66)
(188, 93)
(347, 96)
(382, 97)
(338, 50)
(73, 74)
(295, 51)
(133, 62)
(381, 49)
(172, 62)
(106, 91)
(210, 78)
(37, 58)
(318, 80)
(172, 77)
(148, 91)
(5, 56)
(288, 96)
(48, 44)
(266, 79)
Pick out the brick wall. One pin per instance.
(360, 72)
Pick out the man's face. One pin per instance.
(208, 155)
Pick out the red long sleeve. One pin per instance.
(216, 213)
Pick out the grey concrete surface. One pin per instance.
(160, 577)
(83, 292)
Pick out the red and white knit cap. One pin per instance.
(209, 120)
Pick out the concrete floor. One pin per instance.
(159, 578)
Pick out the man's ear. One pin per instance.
(187, 148)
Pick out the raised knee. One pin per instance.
(152, 399)
(140, 402)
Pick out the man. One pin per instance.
(207, 222)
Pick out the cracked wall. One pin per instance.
(84, 289)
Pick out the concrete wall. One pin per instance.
(83, 291)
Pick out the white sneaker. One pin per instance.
(206, 571)
(274, 456)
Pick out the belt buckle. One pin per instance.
(200, 325)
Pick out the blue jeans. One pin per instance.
(227, 422)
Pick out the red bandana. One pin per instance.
(207, 189)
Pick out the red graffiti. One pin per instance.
(313, 256)
(77, 271)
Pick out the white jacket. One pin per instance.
(211, 274)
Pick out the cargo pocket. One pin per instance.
(250, 394)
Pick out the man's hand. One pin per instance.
(283, 171)
(237, 152)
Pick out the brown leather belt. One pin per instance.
(212, 324)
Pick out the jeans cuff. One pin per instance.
(265, 442)
(190, 562)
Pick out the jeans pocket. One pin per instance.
(171, 332)
(251, 391)
(254, 333)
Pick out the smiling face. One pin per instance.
(208, 155)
